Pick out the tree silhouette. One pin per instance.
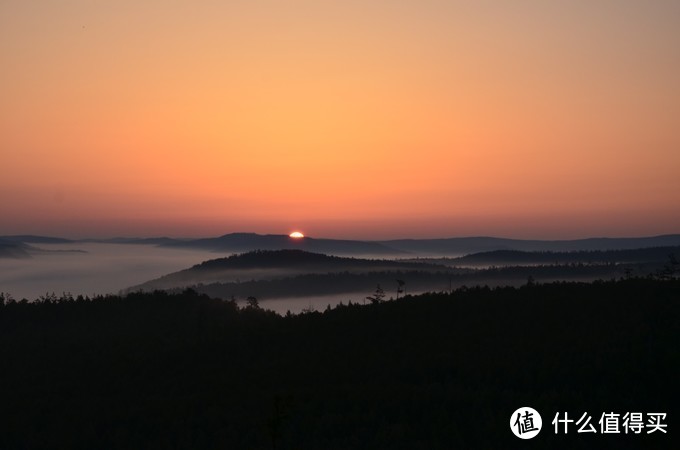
(252, 302)
(378, 296)
(400, 287)
(673, 265)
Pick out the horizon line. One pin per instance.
(129, 237)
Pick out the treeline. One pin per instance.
(271, 264)
(259, 259)
(285, 273)
(415, 280)
(436, 371)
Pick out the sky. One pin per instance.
(353, 119)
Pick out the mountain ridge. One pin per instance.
(241, 242)
(272, 264)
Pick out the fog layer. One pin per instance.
(102, 269)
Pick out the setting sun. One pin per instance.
(296, 235)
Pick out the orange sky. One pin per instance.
(352, 119)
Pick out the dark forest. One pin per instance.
(435, 371)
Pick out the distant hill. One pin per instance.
(16, 250)
(17, 247)
(160, 241)
(467, 245)
(273, 264)
(516, 257)
(271, 274)
(244, 242)
(32, 239)
(447, 247)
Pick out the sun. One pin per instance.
(296, 235)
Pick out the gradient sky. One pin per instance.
(353, 119)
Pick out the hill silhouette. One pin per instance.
(467, 245)
(517, 257)
(11, 249)
(274, 274)
(276, 264)
(243, 242)
(301, 259)
(451, 247)
(33, 239)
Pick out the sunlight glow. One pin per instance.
(354, 119)
(296, 235)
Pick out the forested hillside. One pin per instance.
(436, 371)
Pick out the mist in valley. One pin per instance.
(85, 268)
(97, 269)
(295, 280)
